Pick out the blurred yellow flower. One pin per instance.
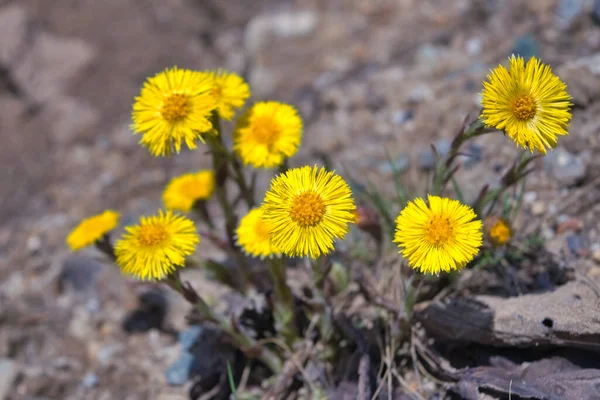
(92, 229)
(174, 107)
(183, 191)
(229, 90)
(253, 235)
(443, 236)
(528, 102)
(156, 246)
(308, 208)
(499, 231)
(267, 133)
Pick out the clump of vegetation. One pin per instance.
(307, 209)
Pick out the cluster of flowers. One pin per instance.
(306, 209)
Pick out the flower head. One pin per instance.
(229, 90)
(183, 191)
(173, 107)
(156, 246)
(441, 236)
(528, 102)
(498, 230)
(267, 133)
(254, 235)
(92, 229)
(308, 208)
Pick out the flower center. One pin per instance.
(266, 130)
(308, 209)
(175, 107)
(439, 230)
(524, 107)
(500, 232)
(151, 235)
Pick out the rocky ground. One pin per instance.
(367, 76)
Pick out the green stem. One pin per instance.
(239, 338)
(246, 190)
(221, 167)
(285, 298)
(443, 171)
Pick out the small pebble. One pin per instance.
(568, 12)
(596, 255)
(34, 244)
(178, 372)
(566, 168)
(188, 337)
(538, 208)
(79, 273)
(90, 381)
(529, 197)
(576, 245)
(596, 11)
(399, 117)
(400, 164)
(526, 46)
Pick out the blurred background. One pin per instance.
(368, 76)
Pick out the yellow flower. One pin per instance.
(156, 246)
(173, 107)
(183, 191)
(443, 236)
(267, 133)
(229, 90)
(528, 102)
(92, 229)
(498, 230)
(308, 208)
(253, 235)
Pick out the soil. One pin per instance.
(370, 78)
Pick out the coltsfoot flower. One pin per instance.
(229, 90)
(183, 191)
(173, 107)
(254, 235)
(156, 246)
(528, 102)
(92, 229)
(442, 236)
(498, 230)
(308, 208)
(267, 134)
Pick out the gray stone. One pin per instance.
(70, 118)
(575, 244)
(188, 337)
(596, 11)
(79, 273)
(567, 12)
(51, 62)
(526, 46)
(399, 164)
(13, 32)
(285, 24)
(8, 373)
(566, 168)
(90, 381)
(474, 45)
(400, 117)
(178, 372)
